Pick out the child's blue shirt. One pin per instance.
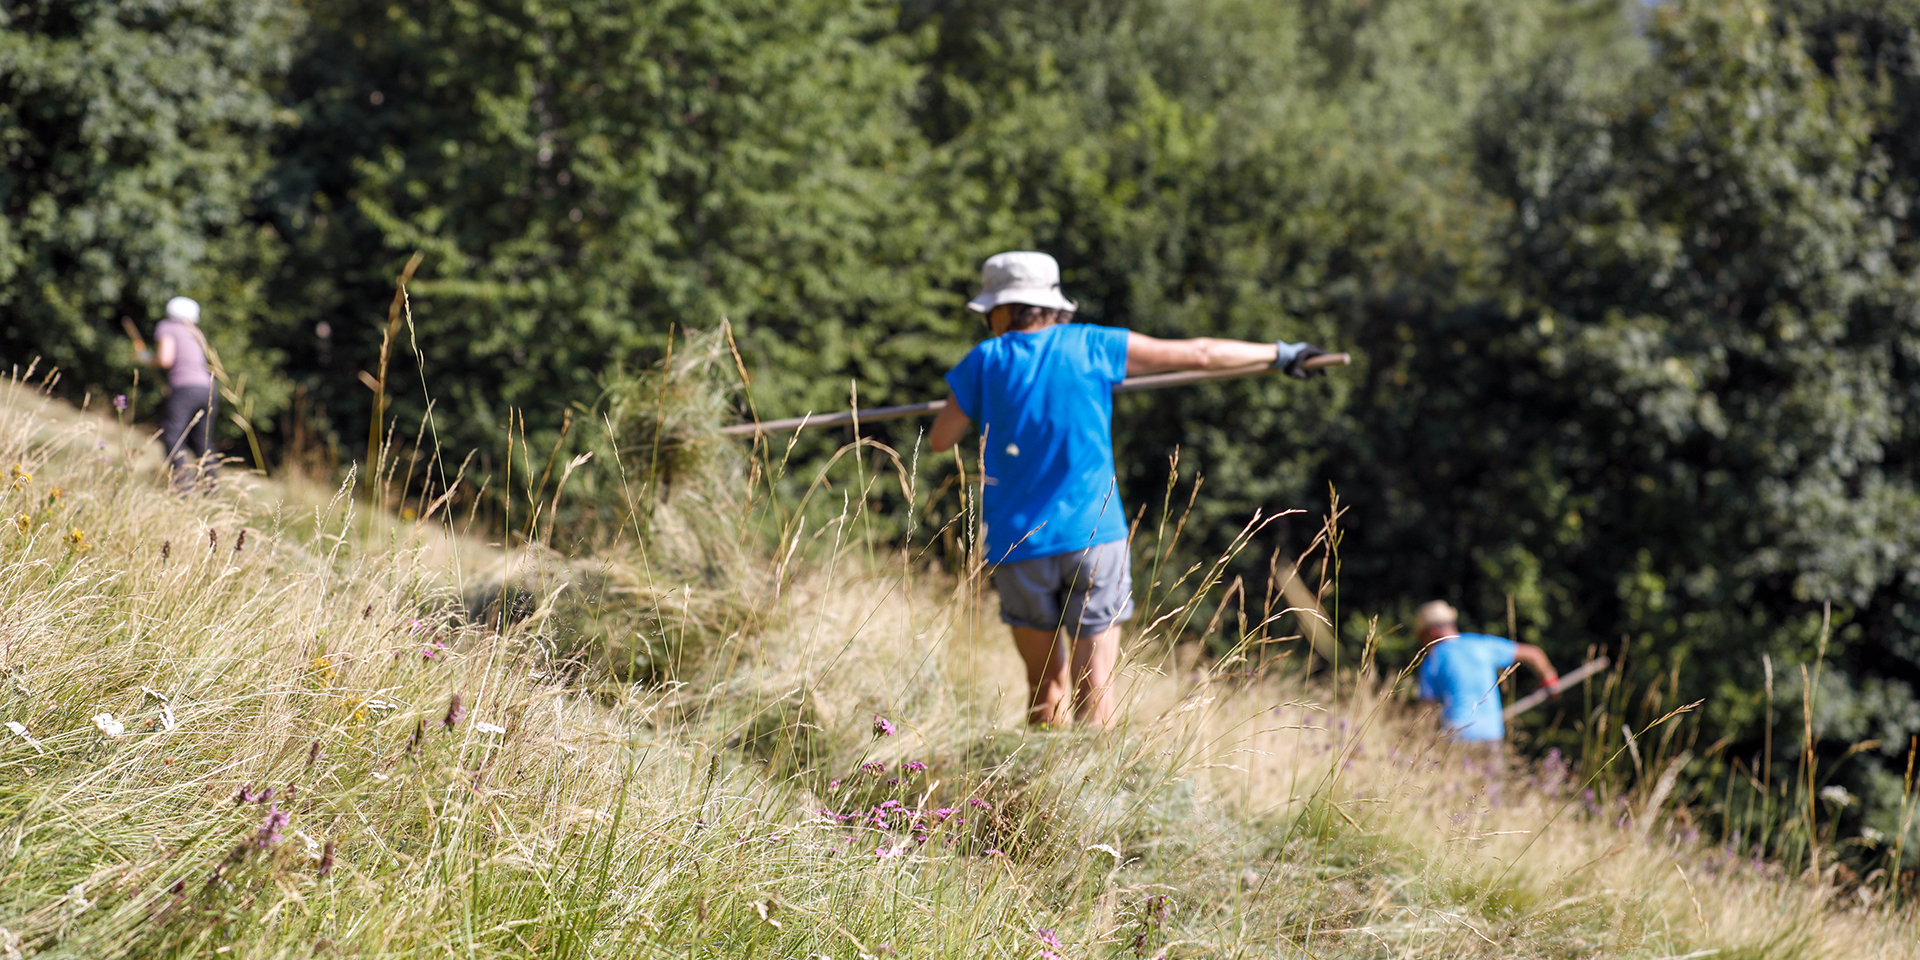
(1043, 401)
(1463, 674)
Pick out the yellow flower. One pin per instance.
(77, 540)
(23, 522)
(21, 477)
(322, 666)
(55, 494)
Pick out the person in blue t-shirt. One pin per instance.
(1041, 389)
(1462, 673)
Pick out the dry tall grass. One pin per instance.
(291, 746)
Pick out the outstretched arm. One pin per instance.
(1153, 355)
(949, 426)
(164, 352)
(1536, 660)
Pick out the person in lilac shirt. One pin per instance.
(186, 418)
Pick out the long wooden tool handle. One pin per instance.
(1568, 679)
(133, 333)
(1151, 382)
(1158, 380)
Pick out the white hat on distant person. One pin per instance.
(1435, 613)
(1020, 276)
(183, 309)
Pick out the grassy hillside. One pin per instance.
(253, 726)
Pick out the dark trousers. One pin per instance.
(186, 429)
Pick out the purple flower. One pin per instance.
(455, 709)
(245, 796)
(833, 784)
(270, 828)
(1047, 939)
(914, 766)
(882, 727)
(874, 767)
(976, 801)
(943, 813)
(120, 403)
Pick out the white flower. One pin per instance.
(1836, 795)
(108, 725)
(1871, 835)
(20, 730)
(485, 727)
(166, 717)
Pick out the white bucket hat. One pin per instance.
(1020, 277)
(183, 309)
(1434, 613)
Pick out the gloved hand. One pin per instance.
(1292, 355)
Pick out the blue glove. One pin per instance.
(1292, 355)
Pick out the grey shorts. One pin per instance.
(1085, 591)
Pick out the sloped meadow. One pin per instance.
(274, 723)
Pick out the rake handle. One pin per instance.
(1568, 679)
(1155, 381)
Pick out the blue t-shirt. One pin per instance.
(1464, 675)
(1043, 401)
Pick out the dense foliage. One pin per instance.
(1631, 288)
(133, 141)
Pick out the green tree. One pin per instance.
(583, 178)
(132, 137)
(1689, 419)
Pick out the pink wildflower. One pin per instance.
(1047, 939)
(270, 828)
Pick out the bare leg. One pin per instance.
(1094, 659)
(1047, 683)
